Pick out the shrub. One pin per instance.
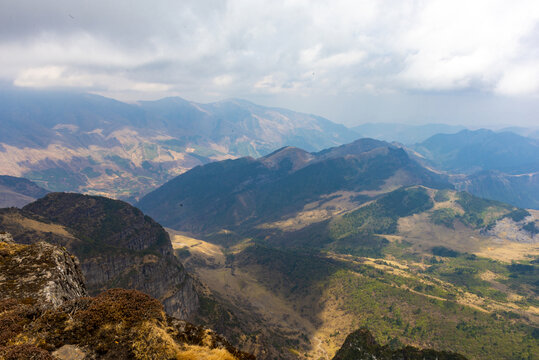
(117, 306)
(443, 251)
(13, 317)
(20, 352)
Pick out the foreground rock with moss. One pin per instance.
(41, 274)
(45, 315)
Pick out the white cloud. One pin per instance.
(50, 76)
(465, 44)
(56, 76)
(520, 80)
(223, 80)
(296, 47)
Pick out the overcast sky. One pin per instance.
(472, 62)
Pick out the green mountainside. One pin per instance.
(432, 281)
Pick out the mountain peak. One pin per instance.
(356, 147)
(167, 101)
(295, 158)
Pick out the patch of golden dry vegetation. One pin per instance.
(154, 342)
(194, 352)
(326, 207)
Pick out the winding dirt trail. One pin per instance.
(319, 349)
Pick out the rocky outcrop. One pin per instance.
(44, 315)
(6, 238)
(518, 226)
(118, 246)
(45, 273)
(361, 345)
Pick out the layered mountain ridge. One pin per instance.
(468, 151)
(233, 192)
(92, 144)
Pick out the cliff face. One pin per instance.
(43, 272)
(118, 246)
(361, 345)
(161, 276)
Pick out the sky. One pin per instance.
(474, 63)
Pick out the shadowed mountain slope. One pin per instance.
(520, 190)
(233, 193)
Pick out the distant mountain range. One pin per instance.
(522, 131)
(17, 192)
(471, 151)
(88, 143)
(413, 134)
(496, 165)
(403, 133)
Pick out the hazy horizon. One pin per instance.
(352, 62)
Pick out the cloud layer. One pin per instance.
(303, 49)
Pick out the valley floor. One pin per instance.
(399, 300)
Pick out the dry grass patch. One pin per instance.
(193, 352)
